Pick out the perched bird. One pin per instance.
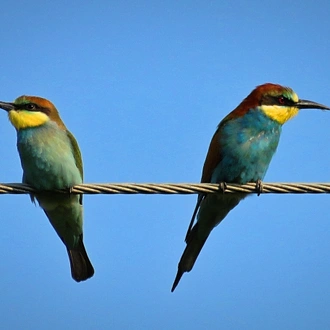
(240, 152)
(51, 159)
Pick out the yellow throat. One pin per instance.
(24, 119)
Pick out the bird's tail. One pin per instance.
(81, 267)
(190, 254)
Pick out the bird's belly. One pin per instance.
(48, 165)
(44, 175)
(239, 173)
(247, 159)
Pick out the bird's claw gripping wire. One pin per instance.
(259, 187)
(222, 187)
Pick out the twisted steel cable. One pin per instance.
(177, 188)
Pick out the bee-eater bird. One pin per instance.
(240, 152)
(51, 159)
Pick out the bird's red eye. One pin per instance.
(30, 106)
(281, 100)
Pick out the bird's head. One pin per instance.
(31, 111)
(277, 102)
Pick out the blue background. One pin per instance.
(142, 85)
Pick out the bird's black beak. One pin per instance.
(305, 104)
(7, 106)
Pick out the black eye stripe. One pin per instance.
(27, 106)
(32, 107)
(277, 100)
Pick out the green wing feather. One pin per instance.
(76, 153)
(77, 157)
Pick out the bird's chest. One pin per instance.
(47, 159)
(247, 148)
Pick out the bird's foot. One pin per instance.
(259, 187)
(222, 187)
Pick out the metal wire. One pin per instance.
(177, 188)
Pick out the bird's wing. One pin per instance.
(77, 156)
(212, 160)
(76, 153)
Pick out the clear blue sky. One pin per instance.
(142, 85)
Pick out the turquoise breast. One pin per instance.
(47, 157)
(248, 144)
